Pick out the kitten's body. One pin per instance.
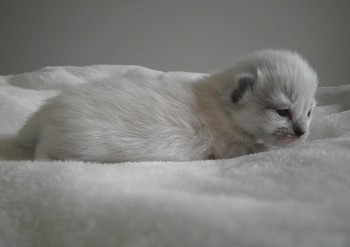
(224, 115)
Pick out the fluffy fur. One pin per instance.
(265, 98)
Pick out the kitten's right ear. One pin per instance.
(245, 82)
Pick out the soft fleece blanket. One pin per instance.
(298, 196)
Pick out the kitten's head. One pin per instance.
(272, 96)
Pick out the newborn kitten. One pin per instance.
(265, 99)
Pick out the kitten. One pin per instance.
(266, 99)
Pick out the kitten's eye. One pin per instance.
(283, 112)
(309, 114)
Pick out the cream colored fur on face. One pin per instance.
(223, 115)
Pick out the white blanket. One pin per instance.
(299, 196)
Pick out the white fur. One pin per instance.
(147, 120)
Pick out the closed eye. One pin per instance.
(283, 112)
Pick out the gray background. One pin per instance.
(188, 35)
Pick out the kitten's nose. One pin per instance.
(299, 131)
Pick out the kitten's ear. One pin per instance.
(245, 82)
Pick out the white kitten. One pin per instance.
(265, 99)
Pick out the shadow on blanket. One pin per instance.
(9, 149)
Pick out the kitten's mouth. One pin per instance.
(287, 139)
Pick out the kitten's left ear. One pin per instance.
(245, 82)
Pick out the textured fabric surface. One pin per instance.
(298, 196)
